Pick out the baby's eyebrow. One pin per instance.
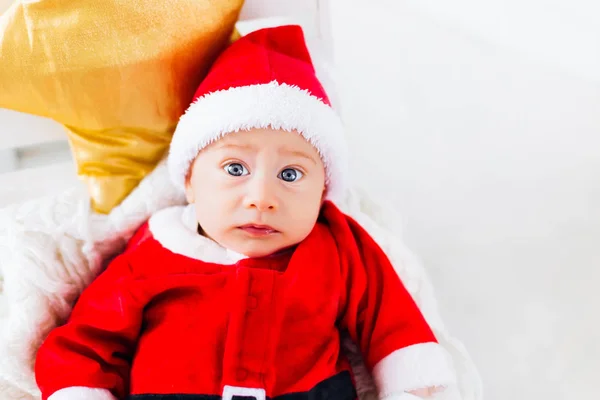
(297, 153)
(235, 146)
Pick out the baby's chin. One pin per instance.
(259, 248)
(256, 247)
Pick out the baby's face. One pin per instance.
(257, 192)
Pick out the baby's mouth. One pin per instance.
(258, 230)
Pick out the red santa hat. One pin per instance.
(264, 79)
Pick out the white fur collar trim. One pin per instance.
(175, 228)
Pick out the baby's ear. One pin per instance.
(189, 190)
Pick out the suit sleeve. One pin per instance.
(89, 357)
(381, 316)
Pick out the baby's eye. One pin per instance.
(236, 169)
(290, 175)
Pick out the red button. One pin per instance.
(241, 374)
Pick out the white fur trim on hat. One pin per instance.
(274, 105)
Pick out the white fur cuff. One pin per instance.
(403, 396)
(82, 393)
(418, 366)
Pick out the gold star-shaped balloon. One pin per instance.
(117, 74)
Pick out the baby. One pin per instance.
(243, 294)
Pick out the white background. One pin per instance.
(480, 120)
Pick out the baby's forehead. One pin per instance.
(252, 133)
(262, 138)
(274, 142)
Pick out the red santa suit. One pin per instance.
(176, 316)
(179, 317)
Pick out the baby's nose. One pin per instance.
(261, 196)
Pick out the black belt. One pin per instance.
(338, 387)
